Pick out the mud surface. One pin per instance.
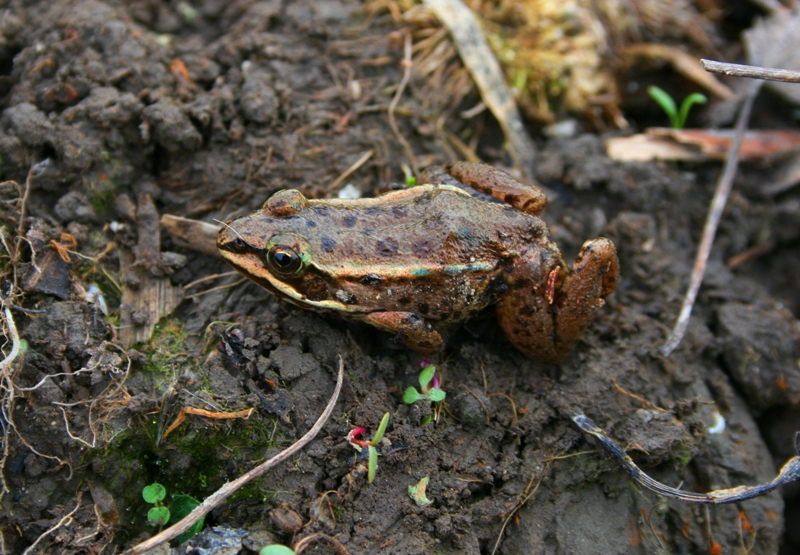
(210, 109)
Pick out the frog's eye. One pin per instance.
(284, 261)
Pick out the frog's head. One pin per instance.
(272, 248)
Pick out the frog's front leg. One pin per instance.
(544, 320)
(415, 331)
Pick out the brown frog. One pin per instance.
(418, 261)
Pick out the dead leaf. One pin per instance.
(700, 144)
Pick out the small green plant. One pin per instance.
(410, 180)
(429, 388)
(677, 116)
(276, 549)
(158, 515)
(181, 506)
(370, 446)
(417, 492)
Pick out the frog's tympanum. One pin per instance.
(419, 261)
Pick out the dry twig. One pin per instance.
(789, 472)
(482, 64)
(407, 65)
(721, 194)
(309, 541)
(752, 72)
(361, 160)
(181, 418)
(530, 491)
(9, 328)
(65, 520)
(7, 386)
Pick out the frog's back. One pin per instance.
(431, 223)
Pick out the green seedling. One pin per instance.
(158, 515)
(410, 180)
(181, 506)
(359, 444)
(677, 116)
(429, 388)
(417, 492)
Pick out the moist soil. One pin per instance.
(112, 110)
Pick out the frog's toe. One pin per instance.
(415, 331)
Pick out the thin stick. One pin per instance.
(724, 186)
(205, 279)
(66, 519)
(228, 489)
(218, 288)
(23, 207)
(351, 170)
(407, 65)
(753, 72)
(527, 494)
(13, 335)
(487, 73)
(788, 473)
(7, 384)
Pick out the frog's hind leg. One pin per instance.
(527, 321)
(593, 277)
(497, 183)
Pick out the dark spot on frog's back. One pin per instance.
(387, 247)
(464, 231)
(424, 308)
(399, 212)
(311, 223)
(328, 244)
(423, 248)
(349, 220)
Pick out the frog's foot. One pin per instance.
(594, 276)
(415, 331)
